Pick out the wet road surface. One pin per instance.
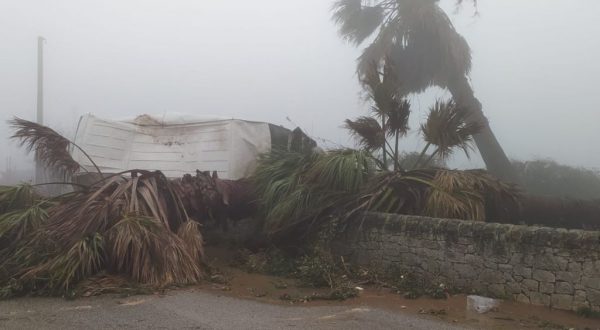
(193, 309)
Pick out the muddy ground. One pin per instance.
(452, 311)
(245, 300)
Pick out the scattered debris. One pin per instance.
(480, 304)
(77, 308)
(436, 312)
(132, 302)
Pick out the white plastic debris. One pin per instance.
(481, 304)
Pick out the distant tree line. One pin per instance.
(545, 177)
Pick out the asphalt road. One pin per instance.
(196, 310)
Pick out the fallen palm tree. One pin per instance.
(135, 226)
(299, 192)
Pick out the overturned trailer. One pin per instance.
(179, 144)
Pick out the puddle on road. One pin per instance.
(509, 315)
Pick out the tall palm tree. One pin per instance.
(426, 51)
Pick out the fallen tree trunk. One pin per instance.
(207, 198)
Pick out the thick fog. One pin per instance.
(535, 68)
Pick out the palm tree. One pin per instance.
(447, 128)
(426, 50)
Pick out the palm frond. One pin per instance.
(381, 89)
(277, 174)
(134, 226)
(142, 249)
(417, 35)
(19, 197)
(96, 210)
(345, 169)
(112, 284)
(49, 147)
(85, 258)
(398, 118)
(448, 127)
(368, 132)
(465, 194)
(190, 234)
(387, 104)
(297, 190)
(16, 225)
(356, 21)
(396, 192)
(60, 272)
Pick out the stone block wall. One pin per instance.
(542, 266)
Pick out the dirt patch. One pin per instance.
(239, 283)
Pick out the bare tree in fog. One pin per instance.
(426, 50)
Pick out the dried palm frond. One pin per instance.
(142, 249)
(447, 127)
(49, 147)
(103, 284)
(368, 132)
(190, 234)
(135, 226)
(96, 210)
(465, 194)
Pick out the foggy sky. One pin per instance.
(535, 67)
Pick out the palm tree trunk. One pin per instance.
(396, 153)
(385, 142)
(421, 155)
(494, 157)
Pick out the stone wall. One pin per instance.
(537, 265)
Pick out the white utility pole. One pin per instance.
(39, 171)
(40, 82)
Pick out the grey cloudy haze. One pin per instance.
(535, 67)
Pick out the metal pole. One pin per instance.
(40, 101)
(40, 82)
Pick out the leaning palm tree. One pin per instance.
(426, 50)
